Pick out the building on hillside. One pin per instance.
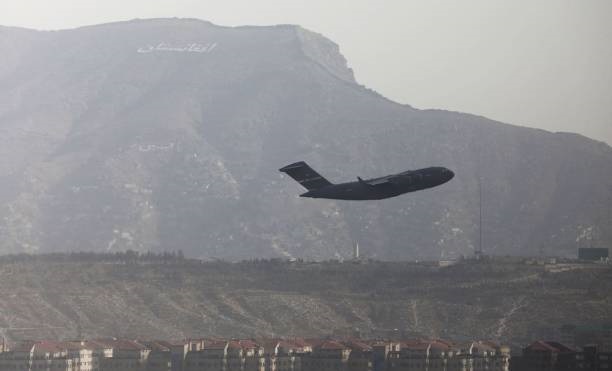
(4, 347)
(19, 357)
(222, 355)
(207, 355)
(540, 356)
(482, 355)
(593, 253)
(502, 356)
(178, 352)
(580, 336)
(328, 355)
(282, 355)
(160, 356)
(127, 355)
(360, 357)
(381, 351)
(440, 355)
(415, 355)
(589, 359)
(290, 353)
(100, 348)
(194, 345)
(245, 355)
(301, 346)
(48, 356)
(81, 355)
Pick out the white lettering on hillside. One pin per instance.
(188, 48)
(153, 147)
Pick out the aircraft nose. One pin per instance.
(448, 174)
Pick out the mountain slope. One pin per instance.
(168, 133)
(507, 301)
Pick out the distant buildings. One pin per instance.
(49, 356)
(593, 254)
(296, 355)
(584, 335)
(548, 355)
(540, 356)
(590, 358)
(251, 355)
(440, 355)
(284, 355)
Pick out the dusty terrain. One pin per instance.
(506, 301)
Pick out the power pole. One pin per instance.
(479, 251)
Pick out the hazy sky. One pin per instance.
(538, 63)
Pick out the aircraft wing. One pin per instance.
(377, 181)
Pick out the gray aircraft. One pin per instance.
(370, 189)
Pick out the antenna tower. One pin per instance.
(479, 250)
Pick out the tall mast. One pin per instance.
(479, 253)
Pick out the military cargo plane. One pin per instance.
(369, 189)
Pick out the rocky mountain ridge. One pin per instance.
(168, 133)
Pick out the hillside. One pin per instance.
(168, 133)
(503, 300)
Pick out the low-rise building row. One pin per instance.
(554, 356)
(251, 355)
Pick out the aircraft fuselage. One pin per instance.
(370, 189)
(394, 185)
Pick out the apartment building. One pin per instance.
(160, 355)
(48, 356)
(206, 355)
(282, 355)
(222, 355)
(540, 356)
(440, 355)
(329, 355)
(480, 356)
(127, 355)
(360, 357)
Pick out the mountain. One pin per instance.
(50, 297)
(167, 134)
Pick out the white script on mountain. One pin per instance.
(188, 48)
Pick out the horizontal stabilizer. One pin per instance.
(305, 175)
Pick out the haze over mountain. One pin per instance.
(167, 134)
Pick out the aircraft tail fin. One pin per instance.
(305, 175)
